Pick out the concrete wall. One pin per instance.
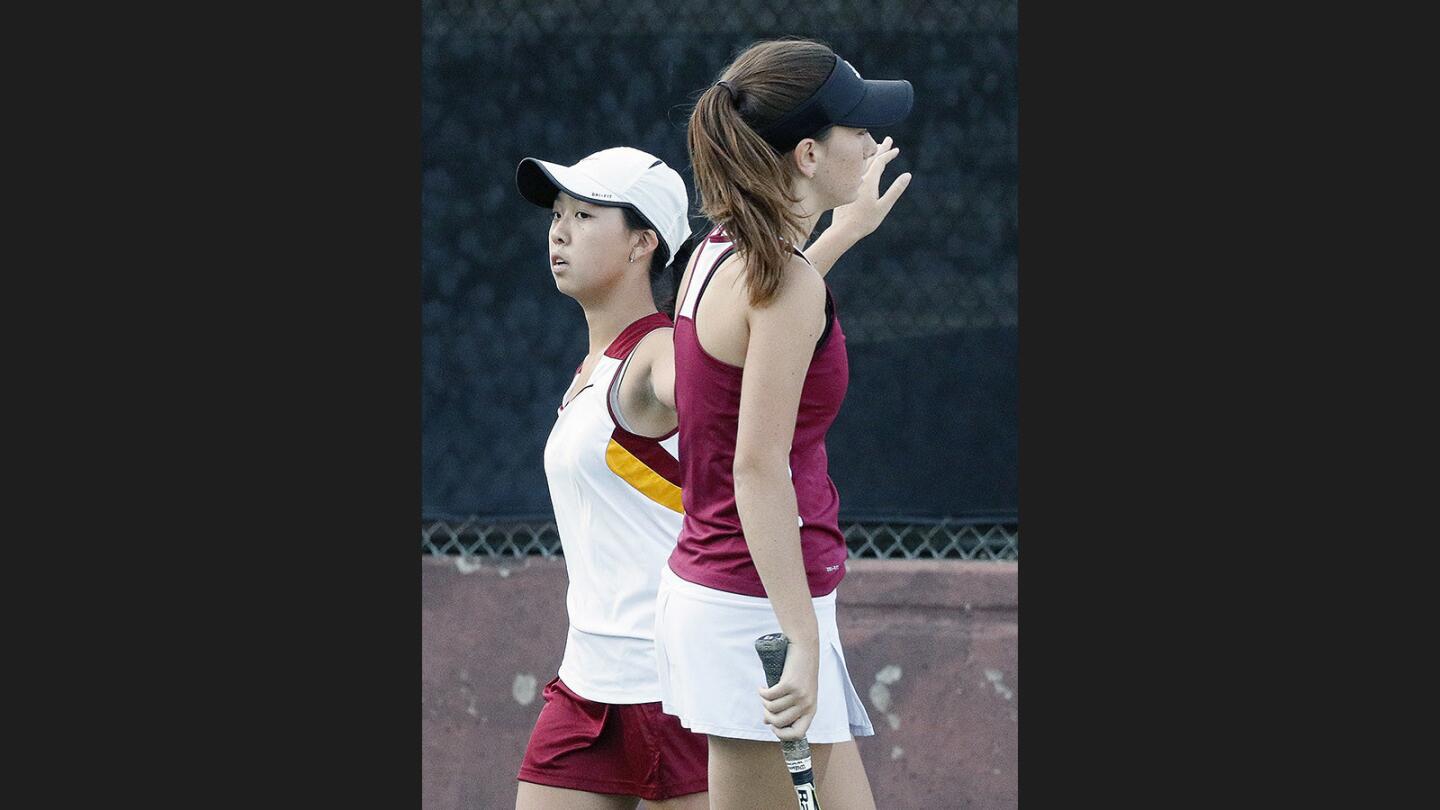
(931, 646)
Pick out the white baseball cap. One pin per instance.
(621, 177)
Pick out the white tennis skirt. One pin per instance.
(710, 674)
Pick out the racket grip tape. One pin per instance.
(771, 649)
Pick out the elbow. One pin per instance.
(760, 466)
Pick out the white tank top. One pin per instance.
(617, 508)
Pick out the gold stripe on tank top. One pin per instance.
(638, 475)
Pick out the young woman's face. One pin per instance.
(589, 245)
(838, 175)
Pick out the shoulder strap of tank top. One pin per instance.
(801, 254)
(709, 274)
(630, 336)
(713, 251)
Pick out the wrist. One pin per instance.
(845, 233)
(805, 637)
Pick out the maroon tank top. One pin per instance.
(712, 550)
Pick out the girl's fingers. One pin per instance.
(797, 729)
(779, 704)
(785, 718)
(789, 733)
(879, 160)
(896, 189)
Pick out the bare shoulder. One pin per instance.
(801, 289)
(655, 344)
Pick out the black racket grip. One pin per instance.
(771, 649)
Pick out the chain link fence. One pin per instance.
(944, 539)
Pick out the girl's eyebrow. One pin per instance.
(574, 203)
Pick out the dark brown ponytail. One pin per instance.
(744, 184)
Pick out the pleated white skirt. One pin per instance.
(710, 674)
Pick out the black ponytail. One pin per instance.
(677, 270)
(660, 258)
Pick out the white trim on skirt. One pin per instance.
(710, 674)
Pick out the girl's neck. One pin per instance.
(608, 317)
(808, 221)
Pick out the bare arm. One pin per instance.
(662, 371)
(781, 343)
(854, 221)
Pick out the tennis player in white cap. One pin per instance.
(617, 218)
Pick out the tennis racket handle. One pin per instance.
(772, 655)
(797, 755)
(771, 650)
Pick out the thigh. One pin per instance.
(746, 774)
(531, 796)
(840, 782)
(693, 801)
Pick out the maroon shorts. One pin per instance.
(627, 749)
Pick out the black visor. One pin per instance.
(843, 99)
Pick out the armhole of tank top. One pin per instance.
(612, 397)
(829, 305)
(829, 320)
